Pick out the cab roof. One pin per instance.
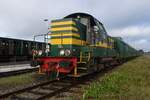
(85, 15)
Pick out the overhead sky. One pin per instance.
(129, 19)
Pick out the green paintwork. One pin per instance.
(59, 26)
(120, 49)
(58, 37)
(64, 19)
(123, 49)
(82, 30)
(65, 31)
(55, 50)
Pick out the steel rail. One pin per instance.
(26, 89)
(56, 88)
(17, 72)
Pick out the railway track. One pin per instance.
(51, 88)
(17, 72)
(43, 90)
(40, 91)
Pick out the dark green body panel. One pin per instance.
(76, 49)
(99, 51)
(123, 49)
(18, 51)
(120, 49)
(81, 30)
(64, 19)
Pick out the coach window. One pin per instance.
(83, 20)
(26, 45)
(101, 30)
(3, 43)
(7, 43)
(97, 35)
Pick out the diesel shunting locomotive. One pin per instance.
(81, 45)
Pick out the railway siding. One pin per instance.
(130, 81)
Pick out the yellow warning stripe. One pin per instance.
(67, 41)
(65, 34)
(63, 23)
(64, 28)
(103, 45)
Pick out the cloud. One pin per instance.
(142, 41)
(136, 36)
(141, 44)
(132, 31)
(127, 18)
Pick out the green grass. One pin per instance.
(22, 80)
(16, 80)
(130, 81)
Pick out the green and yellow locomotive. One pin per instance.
(81, 45)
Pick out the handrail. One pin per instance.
(81, 57)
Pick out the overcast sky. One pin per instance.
(129, 19)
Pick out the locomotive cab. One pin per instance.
(73, 31)
(95, 30)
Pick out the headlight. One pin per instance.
(47, 50)
(67, 52)
(62, 52)
(40, 52)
